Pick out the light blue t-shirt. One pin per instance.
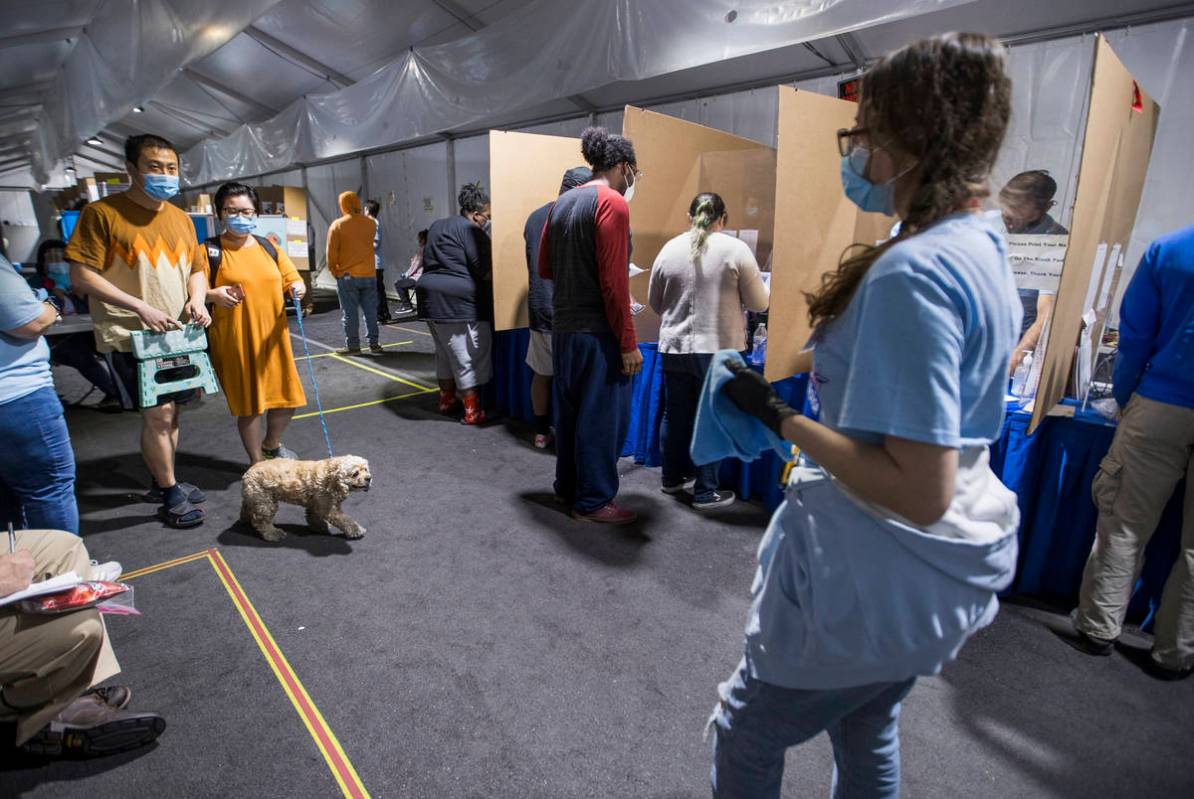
(24, 363)
(922, 350)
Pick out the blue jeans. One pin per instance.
(591, 405)
(683, 379)
(357, 295)
(38, 467)
(756, 722)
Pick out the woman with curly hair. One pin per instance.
(896, 535)
(456, 300)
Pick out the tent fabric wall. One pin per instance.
(114, 65)
(581, 46)
(412, 187)
(1046, 130)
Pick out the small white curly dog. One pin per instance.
(319, 486)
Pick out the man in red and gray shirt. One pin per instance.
(585, 249)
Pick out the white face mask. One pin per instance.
(629, 193)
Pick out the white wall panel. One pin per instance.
(412, 187)
(472, 162)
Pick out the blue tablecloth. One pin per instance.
(1050, 471)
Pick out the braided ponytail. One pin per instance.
(706, 208)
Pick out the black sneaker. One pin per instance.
(1156, 669)
(720, 499)
(678, 488)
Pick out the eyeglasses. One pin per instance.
(246, 213)
(849, 138)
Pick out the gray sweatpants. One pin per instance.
(1152, 450)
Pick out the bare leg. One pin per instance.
(447, 385)
(159, 439)
(541, 394)
(277, 420)
(249, 428)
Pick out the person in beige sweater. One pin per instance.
(351, 261)
(699, 285)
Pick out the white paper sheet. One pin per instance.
(50, 586)
(1096, 275)
(296, 227)
(751, 239)
(296, 249)
(1115, 261)
(1036, 260)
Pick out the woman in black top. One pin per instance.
(456, 301)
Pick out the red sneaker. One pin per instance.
(447, 401)
(610, 514)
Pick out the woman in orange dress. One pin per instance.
(249, 337)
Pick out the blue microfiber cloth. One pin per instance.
(724, 431)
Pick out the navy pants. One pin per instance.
(591, 403)
(37, 472)
(683, 379)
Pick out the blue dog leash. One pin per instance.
(298, 309)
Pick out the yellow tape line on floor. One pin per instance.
(407, 395)
(330, 354)
(329, 746)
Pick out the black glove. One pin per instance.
(751, 392)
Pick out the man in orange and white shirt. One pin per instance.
(131, 253)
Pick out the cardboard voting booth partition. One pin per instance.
(679, 159)
(525, 171)
(1121, 123)
(817, 222)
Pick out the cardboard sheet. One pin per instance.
(679, 160)
(817, 221)
(525, 170)
(1120, 126)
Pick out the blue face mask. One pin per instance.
(241, 225)
(161, 187)
(59, 272)
(873, 197)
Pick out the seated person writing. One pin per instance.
(50, 665)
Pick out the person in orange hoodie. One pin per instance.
(350, 259)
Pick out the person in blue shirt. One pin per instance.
(1152, 451)
(373, 211)
(37, 472)
(895, 535)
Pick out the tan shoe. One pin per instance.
(90, 727)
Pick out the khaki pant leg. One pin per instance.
(46, 662)
(1148, 456)
(1174, 642)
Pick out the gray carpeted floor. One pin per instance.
(479, 643)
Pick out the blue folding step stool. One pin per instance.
(174, 349)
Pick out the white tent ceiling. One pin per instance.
(298, 48)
